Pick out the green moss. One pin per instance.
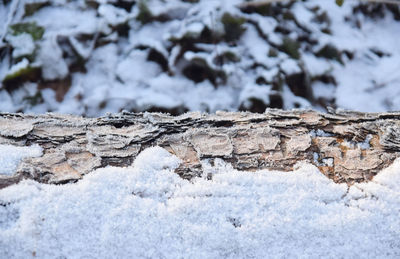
(187, 38)
(291, 47)
(13, 81)
(21, 73)
(330, 52)
(145, 15)
(233, 27)
(31, 28)
(339, 2)
(232, 57)
(226, 57)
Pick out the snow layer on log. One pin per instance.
(147, 211)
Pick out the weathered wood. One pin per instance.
(346, 146)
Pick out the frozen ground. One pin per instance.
(105, 55)
(147, 211)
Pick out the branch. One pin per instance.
(346, 146)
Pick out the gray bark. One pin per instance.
(346, 146)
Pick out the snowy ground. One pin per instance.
(147, 211)
(106, 59)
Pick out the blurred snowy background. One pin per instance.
(90, 57)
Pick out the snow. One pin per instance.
(134, 68)
(68, 20)
(366, 77)
(24, 63)
(146, 210)
(289, 66)
(118, 74)
(255, 91)
(10, 157)
(53, 66)
(113, 15)
(320, 133)
(22, 44)
(256, 46)
(361, 145)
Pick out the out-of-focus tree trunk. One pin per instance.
(346, 146)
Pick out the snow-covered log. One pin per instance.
(346, 146)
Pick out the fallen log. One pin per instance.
(346, 146)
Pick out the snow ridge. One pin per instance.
(148, 211)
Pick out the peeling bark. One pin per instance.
(346, 146)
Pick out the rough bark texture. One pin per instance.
(346, 146)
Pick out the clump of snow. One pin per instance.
(23, 44)
(320, 133)
(53, 65)
(148, 211)
(24, 63)
(328, 161)
(361, 145)
(113, 15)
(134, 68)
(10, 156)
(365, 144)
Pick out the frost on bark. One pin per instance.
(346, 146)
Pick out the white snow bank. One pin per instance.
(148, 211)
(10, 156)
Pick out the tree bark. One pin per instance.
(346, 146)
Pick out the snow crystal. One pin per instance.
(148, 211)
(10, 156)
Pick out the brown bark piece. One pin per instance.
(346, 146)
